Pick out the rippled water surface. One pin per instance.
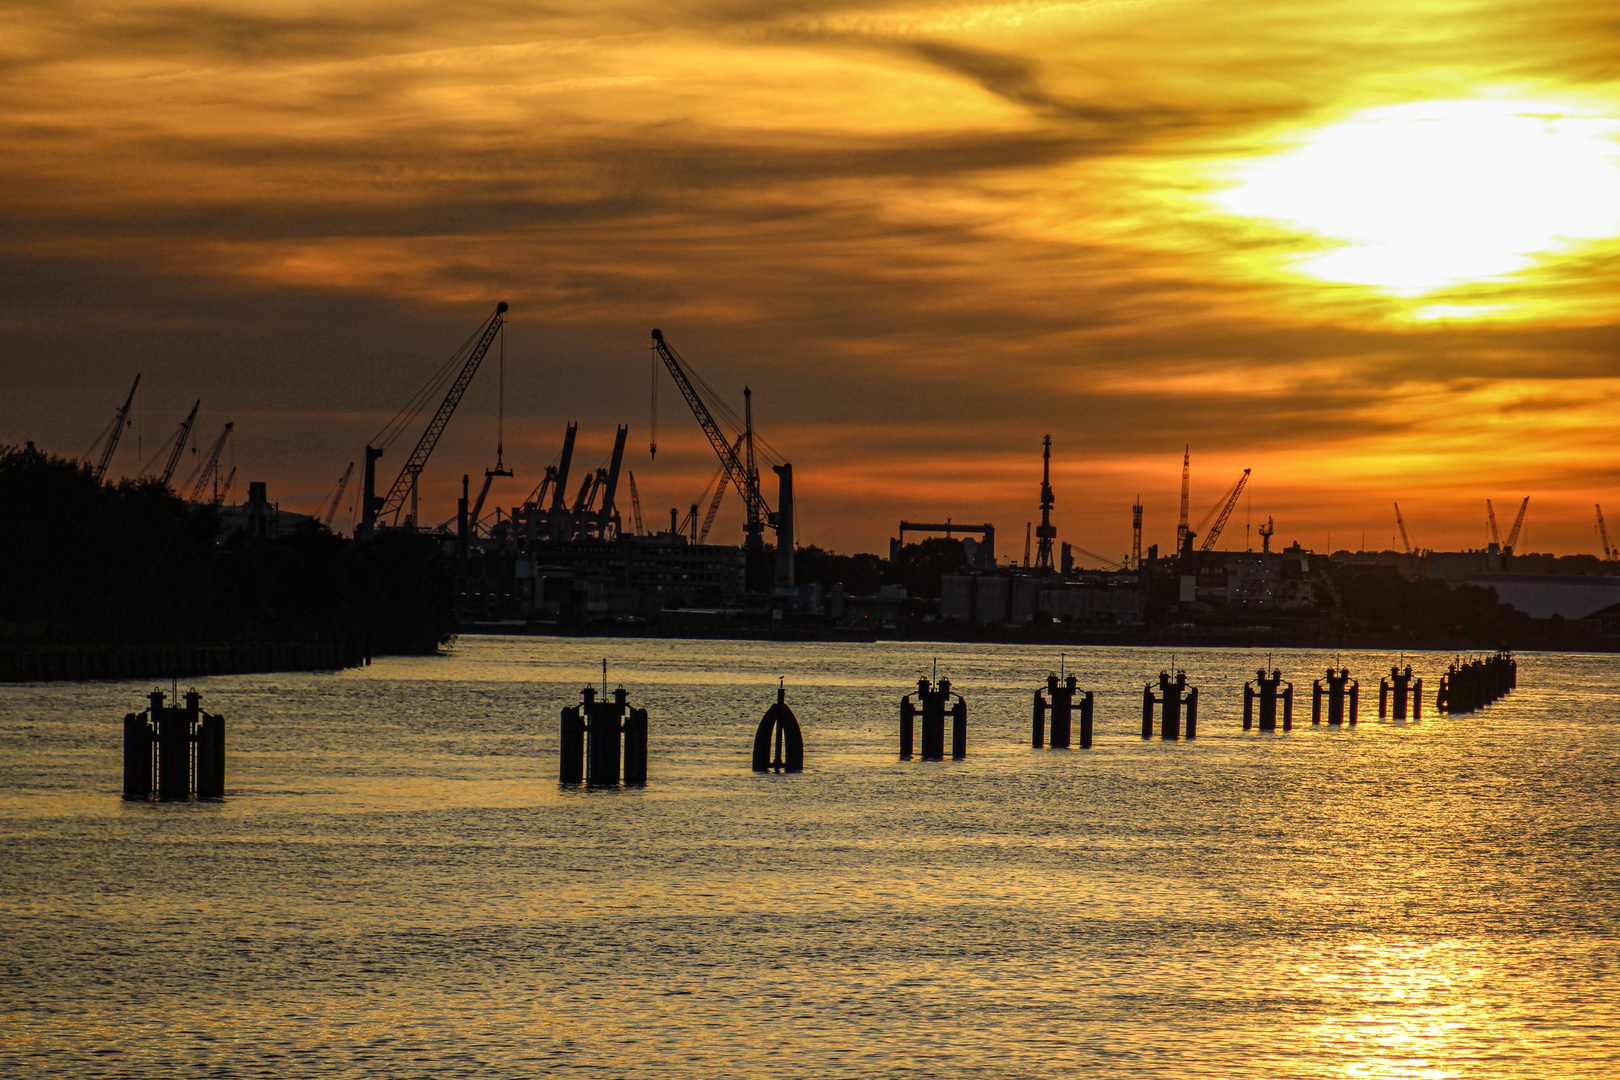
(397, 886)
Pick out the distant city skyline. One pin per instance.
(1365, 250)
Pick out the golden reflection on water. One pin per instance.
(1404, 1009)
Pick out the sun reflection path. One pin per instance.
(1414, 198)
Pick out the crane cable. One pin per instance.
(722, 412)
(430, 391)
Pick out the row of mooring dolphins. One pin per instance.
(1169, 707)
(178, 753)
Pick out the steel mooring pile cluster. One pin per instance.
(1060, 699)
(1268, 691)
(1396, 691)
(1477, 683)
(1340, 690)
(1173, 696)
(173, 752)
(590, 740)
(932, 702)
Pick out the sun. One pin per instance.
(1414, 198)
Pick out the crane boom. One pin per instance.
(635, 505)
(1518, 523)
(1214, 533)
(1490, 515)
(714, 503)
(337, 497)
(225, 488)
(210, 464)
(394, 501)
(179, 446)
(116, 431)
(735, 469)
(1399, 521)
(1112, 564)
(1603, 534)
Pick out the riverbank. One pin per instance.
(84, 663)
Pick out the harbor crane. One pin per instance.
(1401, 524)
(719, 486)
(1603, 535)
(1186, 487)
(175, 445)
(1221, 511)
(108, 439)
(209, 470)
(471, 353)
(1490, 516)
(1518, 523)
(337, 496)
(742, 472)
(225, 488)
(1046, 532)
(635, 504)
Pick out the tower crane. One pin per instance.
(1046, 532)
(1186, 478)
(337, 496)
(1136, 534)
(210, 464)
(1401, 523)
(176, 448)
(473, 349)
(112, 434)
(1490, 515)
(1221, 511)
(740, 472)
(1603, 534)
(1518, 523)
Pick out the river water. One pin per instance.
(396, 885)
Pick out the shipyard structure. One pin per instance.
(577, 549)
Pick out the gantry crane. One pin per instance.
(372, 506)
(337, 496)
(1518, 523)
(743, 476)
(210, 464)
(112, 434)
(1603, 534)
(1221, 511)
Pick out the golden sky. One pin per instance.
(1366, 249)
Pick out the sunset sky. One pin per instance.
(1367, 250)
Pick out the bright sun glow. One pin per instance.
(1418, 197)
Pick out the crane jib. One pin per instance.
(733, 465)
(395, 499)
